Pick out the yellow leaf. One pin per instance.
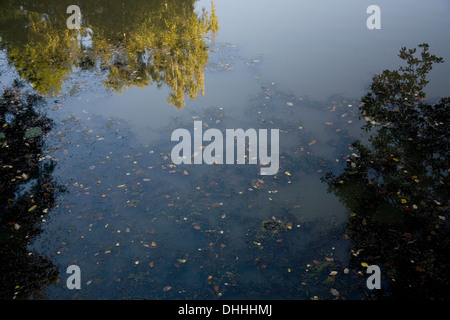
(121, 186)
(404, 201)
(32, 208)
(364, 264)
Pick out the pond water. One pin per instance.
(141, 227)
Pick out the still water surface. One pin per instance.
(140, 227)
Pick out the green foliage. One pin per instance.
(138, 43)
(396, 187)
(21, 209)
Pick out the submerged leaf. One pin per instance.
(33, 132)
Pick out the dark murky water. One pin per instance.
(99, 189)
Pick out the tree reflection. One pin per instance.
(396, 188)
(136, 43)
(27, 194)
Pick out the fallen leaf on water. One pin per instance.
(329, 123)
(185, 172)
(121, 186)
(32, 208)
(364, 264)
(153, 244)
(334, 292)
(313, 142)
(167, 288)
(333, 273)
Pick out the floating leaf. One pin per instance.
(33, 132)
(32, 208)
(364, 264)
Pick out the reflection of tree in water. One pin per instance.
(136, 43)
(26, 194)
(397, 187)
